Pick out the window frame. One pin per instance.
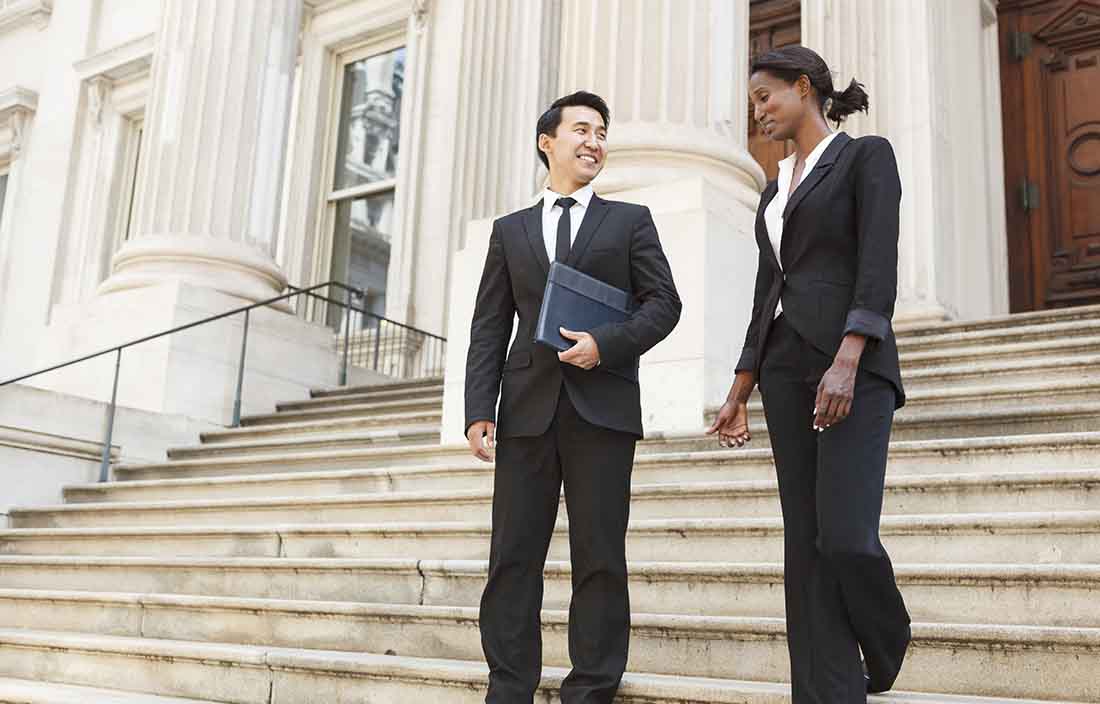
(332, 196)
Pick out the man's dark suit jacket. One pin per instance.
(840, 257)
(617, 243)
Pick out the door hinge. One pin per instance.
(1029, 196)
(1019, 45)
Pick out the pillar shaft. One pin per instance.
(213, 148)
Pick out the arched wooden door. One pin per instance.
(1050, 83)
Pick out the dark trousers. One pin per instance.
(841, 596)
(594, 464)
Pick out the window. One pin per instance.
(365, 175)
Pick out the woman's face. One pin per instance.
(778, 106)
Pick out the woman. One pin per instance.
(821, 346)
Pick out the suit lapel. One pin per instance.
(762, 240)
(593, 215)
(814, 177)
(532, 224)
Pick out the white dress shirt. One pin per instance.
(552, 213)
(773, 214)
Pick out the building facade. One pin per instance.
(161, 160)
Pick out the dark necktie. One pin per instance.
(561, 252)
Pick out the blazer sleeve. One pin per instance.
(764, 278)
(659, 303)
(490, 331)
(878, 198)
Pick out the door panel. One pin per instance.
(1051, 86)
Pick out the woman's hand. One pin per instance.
(732, 423)
(837, 388)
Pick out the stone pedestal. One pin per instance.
(192, 373)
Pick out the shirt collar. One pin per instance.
(582, 196)
(787, 164)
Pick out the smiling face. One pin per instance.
(779, 107)
(577, 149)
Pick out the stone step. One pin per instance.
(1033, 537)
(943, 493)
(958, 658)
(931, 424)
(1053, 367)
(442, 468)
(999, 412)
(416, 435)
(1033, 332)
(1050, 595)
(1011, 321)
(367, 398)
(13, 691)
(269, 675)
(916, 358)
(391, 387)
(394, 423)
(389, 411)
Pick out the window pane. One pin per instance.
(369, 115)
(3, 190)
(361, 248)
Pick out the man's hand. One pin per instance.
(481, 437)
(585, 354)
(732, 424)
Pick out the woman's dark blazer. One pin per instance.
(840, 257)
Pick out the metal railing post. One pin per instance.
(105, 460)
(240, 373)
(347, 339)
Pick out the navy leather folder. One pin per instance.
(576, 301)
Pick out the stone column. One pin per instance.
(674, 75)
(934, 92)
(213, 150)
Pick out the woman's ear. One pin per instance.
(803, 86)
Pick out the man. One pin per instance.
(571, 417)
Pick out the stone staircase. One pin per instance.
(333, 552)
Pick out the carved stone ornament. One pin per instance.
(420, 11)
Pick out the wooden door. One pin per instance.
(1050, 82)
(772, 24)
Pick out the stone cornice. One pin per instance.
(121, 62)
(17, 13)
(17, 104)
(15, 99)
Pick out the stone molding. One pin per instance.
(17, 105)
(19, 13)
(35, 441)
(119, 63)
(228, 266)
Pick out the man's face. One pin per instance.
(577, 151)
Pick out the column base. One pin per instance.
(204, 262)
(707, 235)
(191, 373)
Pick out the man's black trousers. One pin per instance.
(841, 596)
(594, 464)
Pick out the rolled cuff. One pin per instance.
(867, 323)
(747, 362)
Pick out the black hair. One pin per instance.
(549, 120)
(791, 62)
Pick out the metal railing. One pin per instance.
(364, 339)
